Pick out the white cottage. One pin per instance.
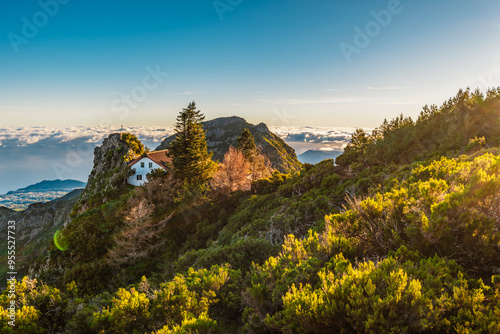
(145, 164)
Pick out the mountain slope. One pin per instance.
(35, 227)
(221, 133)
(406, 245)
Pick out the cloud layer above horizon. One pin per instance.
(48, 153)
(23, 136)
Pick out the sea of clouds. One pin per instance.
(33, 154)
(24, 136)
(304, 138)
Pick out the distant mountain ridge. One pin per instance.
(223, 132)
(44, 191)
(51, 185)
(315, 156)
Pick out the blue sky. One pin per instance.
(278, 62)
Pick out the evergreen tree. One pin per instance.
(260, 166)
(190, 158)
(246, 144)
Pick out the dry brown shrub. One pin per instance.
(139, 237)
(233, 174)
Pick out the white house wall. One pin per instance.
(142, 171)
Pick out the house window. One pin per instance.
(139, 177)
(142, 164)
(150, 165)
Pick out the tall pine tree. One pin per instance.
(190, 158)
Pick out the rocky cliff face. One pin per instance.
(109, 172)
(223, 132)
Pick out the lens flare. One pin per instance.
(59, 241)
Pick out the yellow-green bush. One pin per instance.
(450, 207)
(297, 292)
(178, 305)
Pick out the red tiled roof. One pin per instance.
(160, 157)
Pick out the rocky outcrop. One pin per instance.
(109, 173)
(221, 133)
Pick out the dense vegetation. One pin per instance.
(462, 124)
(402, 235)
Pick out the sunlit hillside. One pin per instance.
(400, 234)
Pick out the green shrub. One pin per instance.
(268, 185)
(449, 207)
(181, 304)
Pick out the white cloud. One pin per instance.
(315, 134)
(31, 135)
